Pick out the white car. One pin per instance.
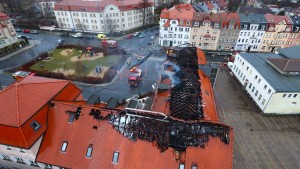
(77, 35)
(60, 41)
(136, 34)
(152, 37)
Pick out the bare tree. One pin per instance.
(9, 4)
(144, 5)
(110, 25)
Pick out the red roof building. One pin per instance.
(80, 135)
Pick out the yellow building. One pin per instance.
(277, 32)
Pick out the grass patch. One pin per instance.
(59, 60)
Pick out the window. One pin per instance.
(253, 89)
(263, 101)
(33, 163)
(35, 125)
(20, 160)
(294, 103)
(5, 157)
(48, 166)
(259, 80)
(269, 91)
(265, 87)
(290, 95)
(259, 97)
(7, 147)
(115, 157)
(21, 150)
(256, 93)
(283, 95)
(295, 95)
(89, 151)
(181, 166)
(64, 146)
(71, 117)
(250, 85)
(194, 166)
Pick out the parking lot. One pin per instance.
(261, 141)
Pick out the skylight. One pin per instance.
(64, 146)
(35, 125)
(89, 151)
(181, 166)
(194, 166)
(115, 157)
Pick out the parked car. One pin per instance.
(18, 30)
(129, 36)
(152, 37)
(89, 36)
(60, 41)
(150, 43)
(136, 34)
(142, 35)
(77, 35)
(34, 32)
(24, 37)
(64, 35)
(26, 31)
(20, 74)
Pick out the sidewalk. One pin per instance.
(16, 52)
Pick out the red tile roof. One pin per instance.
(105, 140)
(180, 12)
(275, 19)
(3, 16)
(24, 102)
(97, 6)
(199, 16)
(227, 17)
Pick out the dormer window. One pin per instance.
(35, 125)
(173, 22)
(216, 25)
(181, 22)
(181, 166)
(263, 27)
(196, 23)
(82, 9)
(245, 26)
(287, 29)
(187, 22)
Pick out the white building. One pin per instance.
(271, 80)
(175, 25)
(103, 16)
(252, 31)
(8, 34)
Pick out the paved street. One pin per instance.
(261, 141)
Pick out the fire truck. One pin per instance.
(109, 43)
(135, 74)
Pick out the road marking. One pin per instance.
(283, 122)
(275, 123)
(264, 121)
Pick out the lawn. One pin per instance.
(58, 60)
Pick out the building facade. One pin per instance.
(47, 6)
(277, 33)
(8, 34)
(252, 32)
(271, 80)
(294, 37)
(205, 32)
(175, 25)
(103, 16)
(230, 29)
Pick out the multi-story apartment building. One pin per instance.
(103, 16)
(205, 32)
(277, 32)
(175, 25)
(215, 6)
(252, 31)
(47, 6)
(7, 31)
(230, 29)
(271, 80)
(294, 37)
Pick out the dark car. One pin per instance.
(25, 37)
(89, 36)
(18, 30)
(64, 35)
(156, 34)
